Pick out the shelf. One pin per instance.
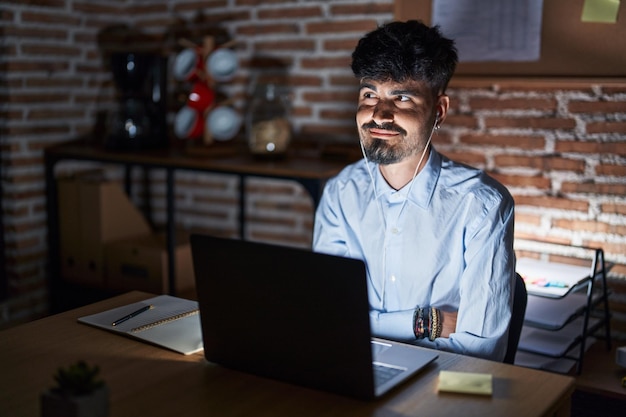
(554, 314)
(554, 343)
(567, 306)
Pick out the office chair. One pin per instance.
(520, 299)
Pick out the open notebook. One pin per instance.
(167, 321)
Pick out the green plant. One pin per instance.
(78, 379)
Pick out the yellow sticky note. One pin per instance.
(600, 11)
(465, 382)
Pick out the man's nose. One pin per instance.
(383, 113)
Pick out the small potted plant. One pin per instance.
(79, 392)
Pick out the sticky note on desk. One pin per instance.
(465, 382)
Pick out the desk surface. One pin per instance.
(147, 380)
(221, 158)
(601, 374)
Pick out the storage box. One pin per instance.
(92, 212)
(142, 264)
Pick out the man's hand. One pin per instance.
(448, 323)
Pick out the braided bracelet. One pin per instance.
(436, 324)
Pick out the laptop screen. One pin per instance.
(285, 313)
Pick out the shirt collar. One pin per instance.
(422, 191)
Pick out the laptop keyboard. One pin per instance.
(383, 373)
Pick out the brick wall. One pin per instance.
(558, 145)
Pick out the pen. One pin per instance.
(131, 315)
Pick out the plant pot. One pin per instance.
(55, 404)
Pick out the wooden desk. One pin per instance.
(305, 167)
(149, 381)
(603, 376)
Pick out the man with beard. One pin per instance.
(436, 235)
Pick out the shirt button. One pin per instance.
(393, 278)
(394, 230)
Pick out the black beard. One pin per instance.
(378, 151)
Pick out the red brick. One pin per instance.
(344, 80)
(545, 163)
(39, 130)
(537, 104)
(587, 226)
(461, 120)
(506, 141)
(361, 9)
(6, 16)
(329, 96)
(43, 3)
(552, 203)
(56, 114)
(337, 114)
(594, 188)
(548, 123)
(285, 45)
(606, 127)
(340, 44)
(304, 80)
(608, 247)
(590, 147)
(469, 158)
(146, 8)
(37, 66)
(35, 33)
(65, 19)
(326, 63)
(40, 98)
(290, 12)
(260, 2)
(526, 218)
(525, 181)
(539, 238)
(617, 170)
(340, 26)
(55, 51)
(614, 89)
(595, 106)
(613, 208)
(110, 8)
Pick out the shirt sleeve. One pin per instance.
(329, 232)
(486, 289)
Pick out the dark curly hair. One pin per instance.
(399, 51)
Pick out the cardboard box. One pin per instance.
(142, 264)
(93, 211)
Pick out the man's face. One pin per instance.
(394, 119)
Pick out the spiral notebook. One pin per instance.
(166, 321)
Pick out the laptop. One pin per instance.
(297, 316)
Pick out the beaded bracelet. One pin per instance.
(421, 324)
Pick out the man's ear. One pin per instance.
(442, 106)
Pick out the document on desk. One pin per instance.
(166, 321)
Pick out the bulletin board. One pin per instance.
(569, 47)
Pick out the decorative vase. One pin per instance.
(267, 121)
(56, 404)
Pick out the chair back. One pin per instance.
(520, 299)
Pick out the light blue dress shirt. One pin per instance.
(447, 244)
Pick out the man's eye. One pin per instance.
(368, 95)
(404, 98)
